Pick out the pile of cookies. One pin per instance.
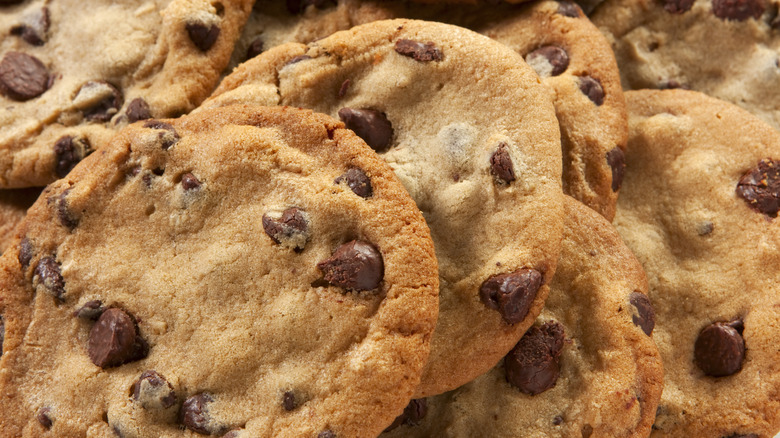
(370, 218)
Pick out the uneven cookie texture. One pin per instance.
(13, 207)
(699, 209)
(588, 367)
(71, 72)
(726, 49)
(471, 133)
(214, 275)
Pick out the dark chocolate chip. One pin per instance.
(645, 314)
(412, 415)
(152, 391)
(288, 401)
(569, 9)
(137, 110)
(25, 252)
(739, 10)
(44, 417)
(370, 125)
(617, 161)
(557, 420)
(114, 340)
(591, 87)
(195, 414)
(91, 310)
(355, 265)
(720, 348)
(672, 84)
(357, 181)
(48, 274)
(190, 182)
(68, 152)
(760, 187)
(326, 434)
(235, 433)
(169, 137)
(34, 30)
(2, 334)
(586, 431)
(297, 59)
(423, 52)
(501, 164)
(511, 294)
(22, 77)
(677, 6)
(104, 100)
(64, 214)
(532, 365)
(202, 35)
(344, 87)
(255, 48)
(290, 230)
(548, 60)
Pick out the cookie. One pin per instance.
(250, 270)
(72, 72)
(588, 366)
(471, 133)
(558, 41)
(13, 207)
(670, 44)
(699, 209)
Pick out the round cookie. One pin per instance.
(669, 44)
(588, 367)
(471, 133)
(254, 270)
(699, 207)
(13, 207)
(71, 72)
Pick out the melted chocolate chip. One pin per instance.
(548, 61)
(34, 30)
(511, 294)
(68, 152)
(189, 182)
(2, 334)
(501, 164)
(98, 100)
(423, 52)
(169, 137)
(357, 181)
(760, 187)
(195, 414)
(355, 265)
(532, 365)
(326, 434)
(44, 417)
(645, 316)
(290, 230)
(153, 392)
(412, 415)
(616, 159)
(25, 252)
(64, 214)
(720, 348)
(344, 87)
(370, 125)
(48, 274)
(255, 48)
(288, 401)
(22, 77)
(739, 10)
(202, 36)
(591, 87)
(137, 110)
(677, 6)
(569, 9)
(114, 340)
(91, 310)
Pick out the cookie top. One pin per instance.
(588, 366)
(471, 133)
(669, 44)
(13, 207)
(250, 268)
(72, 72)
(699, 208)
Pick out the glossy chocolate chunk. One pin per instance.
(548, 61)
(591, 87)
(677, 6)
(44, 417)
(760, 187)
(195, 415)
(617, 161)
(357, 181)
(91, 310)
(501, 164)
(738, 10)
(69, 151)
(202, 35)
(290, 230)
(48, 274)
(423, 52)
(137, 110)
(22, 76)
(34, 29)
(189, 182)
(645, 314)
(114, 340)
(152, 391)
(355, 265)
(98, 101)
(370, 125)
(511, 294)
(412, 415)
(720, 349)
(532, 365)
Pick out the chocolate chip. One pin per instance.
(152, 391)
(35, 27)
(169, 137)
(591, 87)
(569, 9)
(423, 52)
(412, 415)
(326, 434)
(617, 161)
(501, 164)
(202, 35)
(344, 87)
(114, 340)
(25, 252)
(64, 214)
(255, 48)
(760, 187)
(720, 348)
(288, 401)
(2, 334)
(532, 365)
(677, 6)
(735, 435)
(44, 417)
(548, 61)
(557, 420)
(22, 77)
(355, 265)
(195, 415)
(672, 84)
(48, 274)
(91, 310)
(511, 294)
(98, 100)
(235, 433)
(586, 431)
(189, 182)
(68, 152)
(137, 110)
(357, 181)
(645, 316)
(739, 10)
(370, 125)
(297, 59)
(291, 229)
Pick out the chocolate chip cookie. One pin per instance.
(727, 49)
(699, 208)
(13, 207)
(73, 71)
(588, 366)
(247, 271)
(471, 132)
